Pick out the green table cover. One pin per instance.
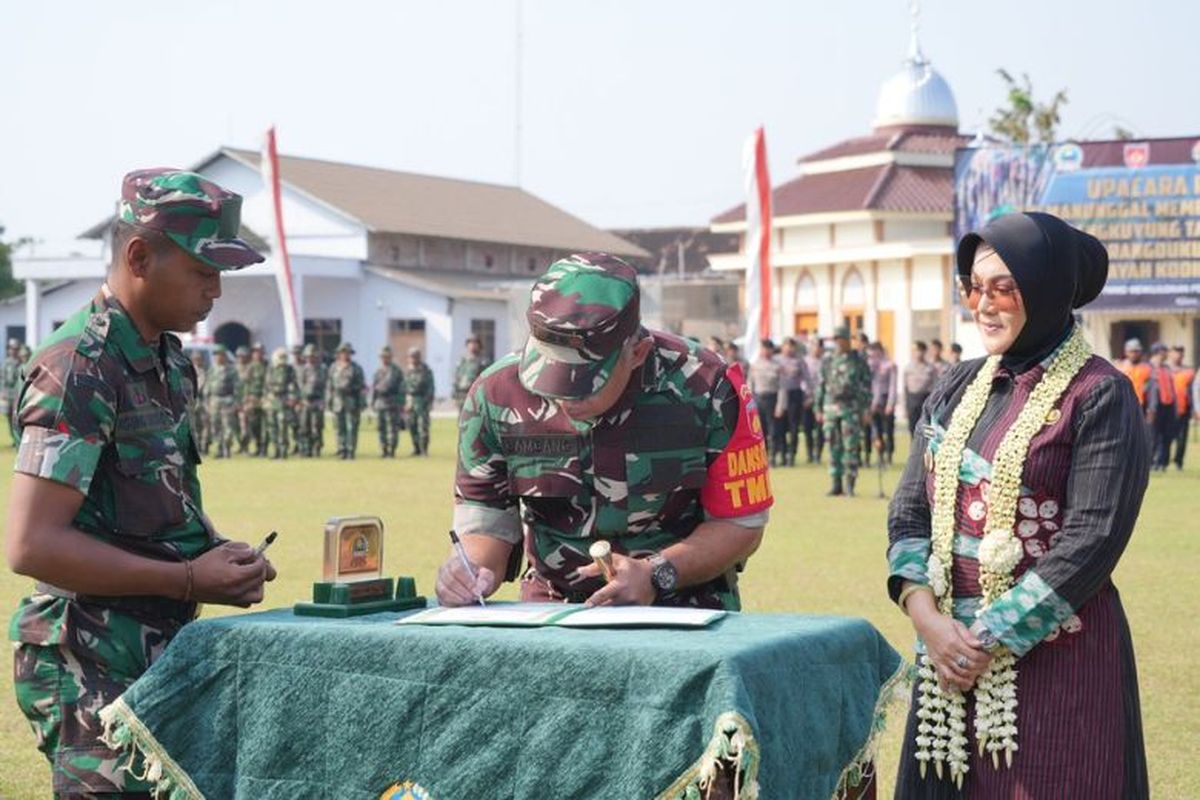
(271, 705)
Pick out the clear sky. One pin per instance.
(633, 112)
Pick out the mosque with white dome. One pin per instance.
(862, 235)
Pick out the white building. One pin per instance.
(862, 237)
(378, 257)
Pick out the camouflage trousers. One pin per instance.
(225, 427)
(61, 688)
(312, 427)
(418, 428)
(279, 427)
(201, 428)
(844, 433)
(347, 432)
(254, 430)
(391, 422)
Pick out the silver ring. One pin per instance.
(961, 662)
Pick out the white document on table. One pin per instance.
(640, 617)
(566, 615)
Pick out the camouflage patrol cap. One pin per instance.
(220, 350)
(243, 350)
(841, 332)
(13, 344)
(194, 213)
(309, 350)
(414, 351)
(258, 346)
(345, 347)
(580, 314)
(279, 355)
(385, 351)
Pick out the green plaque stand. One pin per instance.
(331, 599)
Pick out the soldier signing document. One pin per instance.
(603, 430)
(105, 510)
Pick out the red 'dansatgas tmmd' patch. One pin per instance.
(738, 484)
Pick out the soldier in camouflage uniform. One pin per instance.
(313, 378)
(279, 404)
(418, 402)
(601, 429)
(105, 502)
(387, 401)
(469, 368)
(294, 419)
(201, 428)
(843, 406)
(11, 384)
(242, 364)
(345, 398)
(223, 398)
(254, 415)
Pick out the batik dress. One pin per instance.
(1078, 717)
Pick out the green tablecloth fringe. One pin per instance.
(862, 766)
(732, 746)
(124, 731)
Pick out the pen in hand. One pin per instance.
(258, 551)
(466, 562)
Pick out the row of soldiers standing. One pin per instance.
(279, 408)
(16, 356)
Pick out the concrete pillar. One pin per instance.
(33, 312)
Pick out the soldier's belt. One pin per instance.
(144, 608)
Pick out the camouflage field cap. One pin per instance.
(345, 347)
(242, 351)
(279, 355)
(841, 332)
(220, 350)
(309, 350)
(580, 314)
(191, 211)
(385, 351)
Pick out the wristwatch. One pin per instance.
(663, 575)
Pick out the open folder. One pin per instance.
(565, 615)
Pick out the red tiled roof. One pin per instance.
(886, 187)
(915, 190)
(919, 140)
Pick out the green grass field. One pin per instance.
(820, 555)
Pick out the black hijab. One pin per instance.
(1057, 268)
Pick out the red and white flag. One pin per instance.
(269, 163)
(758, 244)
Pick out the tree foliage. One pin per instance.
(1023, 120)
(9, 286)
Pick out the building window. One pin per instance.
(531, 264)
(489, 260)
(323, 334)
(485, 329)
(404, 334)
(15, 332)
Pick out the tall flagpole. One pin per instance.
(269, 164)
(758, 244)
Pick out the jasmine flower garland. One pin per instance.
(941, 730)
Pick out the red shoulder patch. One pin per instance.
(738, 483)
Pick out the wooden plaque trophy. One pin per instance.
(353, 581)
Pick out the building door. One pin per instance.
(852, 318)
(233, 335)
(406, 333)
(885, 325)
(1145, 330)
(805, 323)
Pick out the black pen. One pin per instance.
(258, 551)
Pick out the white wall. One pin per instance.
(805, 237)
(929, 289)
(913, 229)
(312, 227)
(854, 234)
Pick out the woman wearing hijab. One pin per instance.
(1026, 476)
